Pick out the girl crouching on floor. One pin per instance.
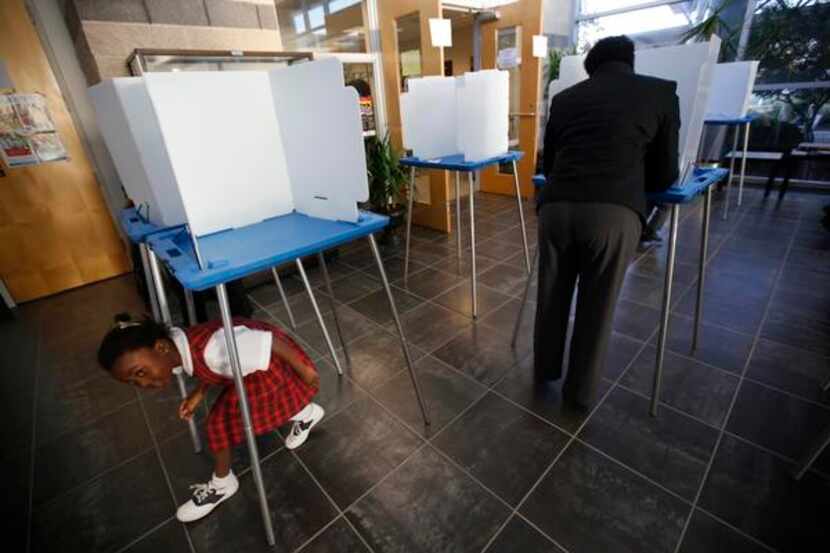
(280, 381)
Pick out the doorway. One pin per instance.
(408, 53)
(507, 44)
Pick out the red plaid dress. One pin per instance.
(274, 395)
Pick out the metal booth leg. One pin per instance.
(330, 290)
(278, 282)
(410, 202)
(164, 309)
(731, 171)
(524, 300)
(743, 164)
(521, 216)
(191, 307)
(664, 317)
(319, 316)
(458, 218)
(473, 244)
(701, 271)
(151, 287)
(398, 324)
(253, 452)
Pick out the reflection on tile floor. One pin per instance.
(95, 466)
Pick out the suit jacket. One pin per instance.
(611, 139)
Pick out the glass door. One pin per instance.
(506, 44)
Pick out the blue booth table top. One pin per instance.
(235, 253)
(136, 227)
(700, 181)
(456, 162)
(715, 120)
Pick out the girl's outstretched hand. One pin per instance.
(307, 373)
(188, 406)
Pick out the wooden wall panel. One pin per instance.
(56, 232)
(527, 14)
(436, 214)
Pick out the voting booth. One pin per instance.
(691, 66)
(240, 176)
(732, 85)
(467, 115)
(187, 144)
(459, 124)
(731, 93)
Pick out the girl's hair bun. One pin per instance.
(123, 318)
(128, 334)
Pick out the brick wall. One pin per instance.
(105, 32)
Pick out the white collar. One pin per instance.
(179, 338)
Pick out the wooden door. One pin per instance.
(56, 231)
(521, 20)
(436, 213)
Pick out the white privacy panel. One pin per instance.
(731, 89)
(430, 117)
(131, 132)
(320, 120)
(483, 114)
(221, 133)
(442, 116)
(691, 66)
(407, 106)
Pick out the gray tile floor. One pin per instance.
(93, 465)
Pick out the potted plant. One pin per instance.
(387, 182)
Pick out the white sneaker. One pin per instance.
(305, 421)
(206, 497)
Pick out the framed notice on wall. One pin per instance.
(27, 132)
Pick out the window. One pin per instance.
(316, 17)
(408, 29)
(663, 23)
(322, 25)
(299, 23)
(337, 5)
(791, 39)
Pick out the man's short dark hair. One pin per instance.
(613, 48)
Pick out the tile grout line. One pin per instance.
(756, 541)
(756, 339)
(341, 513)
(95, 478)
(490, 388)
(716, 428)
(425, 442)
(163, 466)
(487, 489)
(146, 534)
(633, 470)
(574, 437)
(737, 375)
(776, 454)
(571, 439)
(33, 446)
(98, 417)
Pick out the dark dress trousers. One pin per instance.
(609, 140)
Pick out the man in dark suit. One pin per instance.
(609, 140)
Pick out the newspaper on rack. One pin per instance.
(27, 133)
